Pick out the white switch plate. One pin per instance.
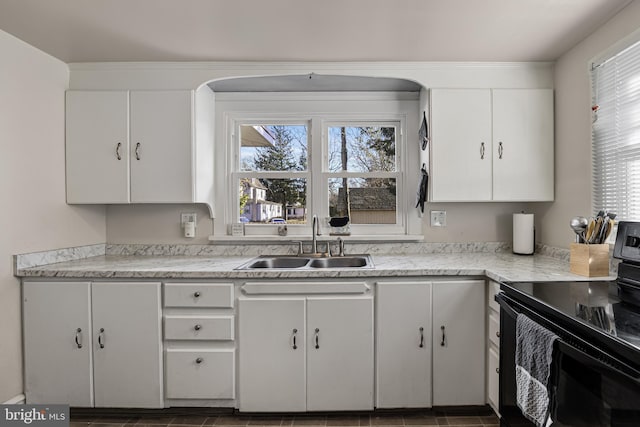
(438, 218)
(187, 217)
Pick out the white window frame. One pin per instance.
(319, 110)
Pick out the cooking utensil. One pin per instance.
(589, 232)
(579, 225)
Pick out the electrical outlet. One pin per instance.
(438, 218)
(187, 217)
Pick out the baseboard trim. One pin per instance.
(17, 400)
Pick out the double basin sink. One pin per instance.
(307, 262)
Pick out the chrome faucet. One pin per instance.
(315, 231)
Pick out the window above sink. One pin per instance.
(293, 155)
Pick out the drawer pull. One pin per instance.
(295, 346)
(79, 338)
(317, 338)
(421, 337)
(497, 370)
(498, 334)
(118, 156)
(138, 151)
(196, 294)
(199, 360)
(444, 337)
(101, 338)
(197, 327)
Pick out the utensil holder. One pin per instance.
(589, 260)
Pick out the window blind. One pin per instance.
(616, 134)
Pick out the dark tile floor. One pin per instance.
(483, 417)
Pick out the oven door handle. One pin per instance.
(630, 374)
(505, 305)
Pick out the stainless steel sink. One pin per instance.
(278, 262)
(340, 262)
(287, 262)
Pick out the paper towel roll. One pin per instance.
(523, 234)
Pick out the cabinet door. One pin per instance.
(459, 343)
(340, 354)
(97, 146)
(57, 343)
(161, 146)
(461, 145)
(523, 144)
(127, 345)
(403, 348)
(272, 355)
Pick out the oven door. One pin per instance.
(588, 387)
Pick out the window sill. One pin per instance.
(325, 237)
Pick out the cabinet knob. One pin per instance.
(196, 294)
(199, 360)
(197, 327)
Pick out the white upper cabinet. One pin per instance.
(97, 147)
(140, 146)
(161, 147)
(523, 144)
(461, 145)
(492, 145)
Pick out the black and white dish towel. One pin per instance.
(534, 356)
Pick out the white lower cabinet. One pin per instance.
(493, 346)
(199, 333)
(200, 374)
(305, 353)
(403, 342)
(93, 344)
(459, 343)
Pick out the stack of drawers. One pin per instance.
(199, 340)
(493, 346)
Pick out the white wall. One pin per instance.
(34, 215)
(573, 129)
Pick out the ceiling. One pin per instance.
(305, 30)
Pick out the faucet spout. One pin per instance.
(315, 231)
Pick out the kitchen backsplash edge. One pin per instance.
(36, 259)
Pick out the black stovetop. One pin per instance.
(591, 303)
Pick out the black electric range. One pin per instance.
(597, 377)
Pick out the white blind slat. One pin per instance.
(616, 134)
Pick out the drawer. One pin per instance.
(494, 328)
(493, 379)
(200, 374)
(219, 295)
(493, 289)
(184, 327)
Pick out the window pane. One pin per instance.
(362, 148)
(364, 200)
(273, 148)
(273, 200)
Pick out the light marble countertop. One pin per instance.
(497, 266)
